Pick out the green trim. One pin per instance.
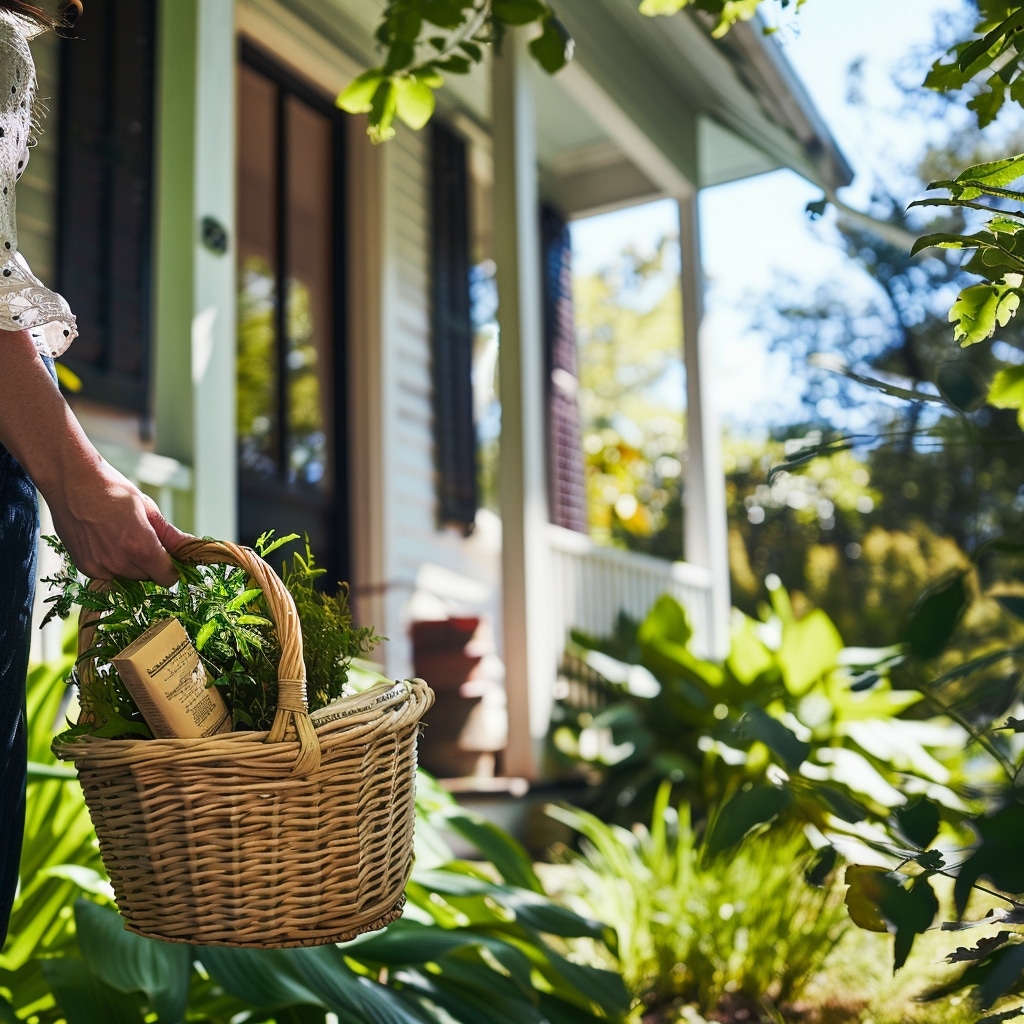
(177, 47)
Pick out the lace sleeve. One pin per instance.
(25, 304)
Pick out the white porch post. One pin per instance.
(706, 540)
(194, 279)
(522, 484)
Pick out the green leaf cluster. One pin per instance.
(693, 927)
(790, 726)
(229, 623)
(424, 40)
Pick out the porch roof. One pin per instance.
(718, 110)
(714, 110)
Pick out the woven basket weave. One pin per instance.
(293, 837)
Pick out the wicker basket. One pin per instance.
(292, 837)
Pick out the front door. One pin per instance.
(291, 398)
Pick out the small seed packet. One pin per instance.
(167, 680)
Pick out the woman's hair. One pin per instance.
(68, 12)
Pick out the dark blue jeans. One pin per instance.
(19, 528)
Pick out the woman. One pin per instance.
(110, 527)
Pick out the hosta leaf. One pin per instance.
(498, 847)
(85, 999)
(132, 963)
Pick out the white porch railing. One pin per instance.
(592, 584)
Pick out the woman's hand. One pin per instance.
(111, 528)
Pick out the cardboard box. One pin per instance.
(167, 680)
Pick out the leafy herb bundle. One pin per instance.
(227, 620)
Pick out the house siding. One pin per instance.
(430, 569)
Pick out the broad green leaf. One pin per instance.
(663, 637)
(864, 887)
(1007, 390)
(1003, 976)
(357, 96)
(941, 239)
(744, 812)
(759, 725)
(342, 990)
(981, 308)
(996, 856)
(996, 173)
(505, 852)
(262, 978)
(519, 12)
(85, 999)
(529, 908)
(414, 101)
(131, 963)
(553, 48)
(935, 617)
(877, 897)
(809, 650)
(748, 657)
(460, 1003)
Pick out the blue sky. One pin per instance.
(751, 387)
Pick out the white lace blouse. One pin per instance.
(25, 304)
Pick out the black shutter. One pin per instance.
(452, 325)
(105, 197)
(566, 480)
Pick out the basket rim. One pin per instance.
(364, 727)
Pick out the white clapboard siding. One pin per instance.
(420, 552)
(37, 189)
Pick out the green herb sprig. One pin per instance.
(227, 620)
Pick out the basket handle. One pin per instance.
(292, 705)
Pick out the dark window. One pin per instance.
(452, 329)
(290, 313)
(105, 197)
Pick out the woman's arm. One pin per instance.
(109, 526)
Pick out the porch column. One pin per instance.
(706, 540)
(194, 264)
(521, 474)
